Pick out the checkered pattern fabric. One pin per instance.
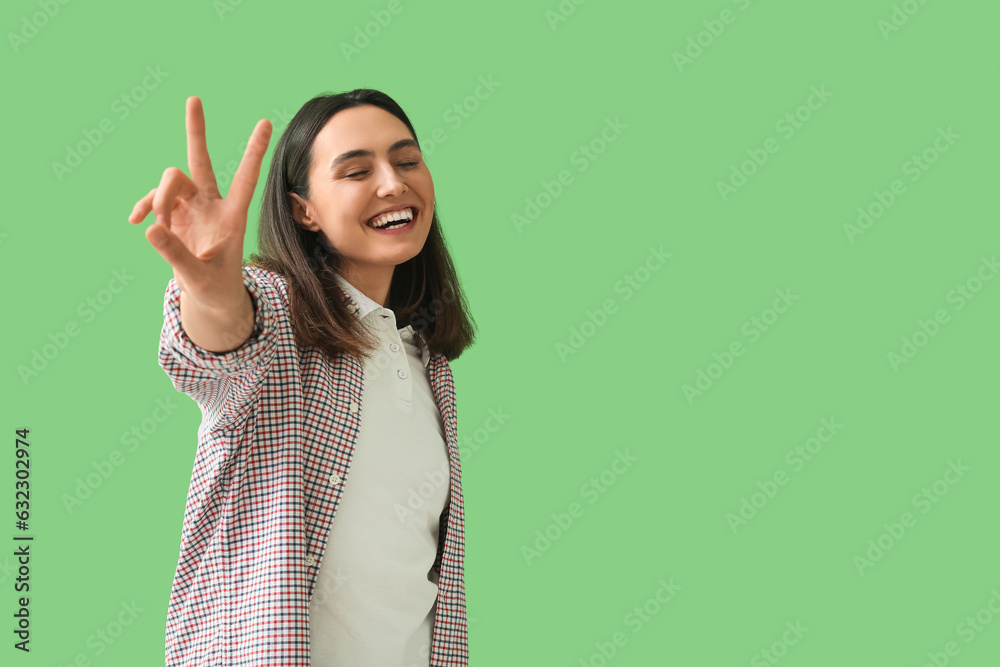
(278, 429)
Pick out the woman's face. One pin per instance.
(359, 169)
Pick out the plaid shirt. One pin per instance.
(278, 429)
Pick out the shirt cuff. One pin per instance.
(255, 352)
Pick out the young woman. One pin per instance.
(324, 522)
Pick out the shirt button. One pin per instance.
(401, 373)
(394, 347)
(310, 560)
(353, 407)
(335, 478)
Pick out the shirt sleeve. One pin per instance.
(222, 384)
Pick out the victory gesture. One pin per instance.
(197, 231)
(201, 235)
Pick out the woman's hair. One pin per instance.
(424, 292)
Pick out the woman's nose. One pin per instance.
(389, 181)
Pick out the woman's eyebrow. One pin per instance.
(361, 152)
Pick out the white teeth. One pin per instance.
(382, 221)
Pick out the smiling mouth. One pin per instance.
(394, 220)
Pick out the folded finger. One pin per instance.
(171, 249)
(173, 184)
(142, 208)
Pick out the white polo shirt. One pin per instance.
(376, 594)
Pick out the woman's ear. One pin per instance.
(300, 210)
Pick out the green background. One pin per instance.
(696, 457)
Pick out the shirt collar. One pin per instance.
(362, 306)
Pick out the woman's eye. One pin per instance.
(401, 164)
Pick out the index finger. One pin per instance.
(245, 179)
(198, 161)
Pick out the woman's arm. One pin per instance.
(218, 330)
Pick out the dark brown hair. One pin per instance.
(424, 292)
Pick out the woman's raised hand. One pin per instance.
(199, 233)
